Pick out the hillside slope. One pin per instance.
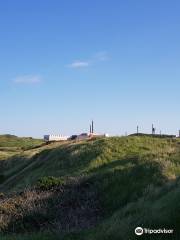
(103, 189)
(18, 142)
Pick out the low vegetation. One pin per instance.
(11, 141)
(100, 189)
(49, 183)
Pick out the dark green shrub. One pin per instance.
(49, 182)
(2, 178)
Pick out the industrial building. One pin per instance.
(51, 138)
(82, 136)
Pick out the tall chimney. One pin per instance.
(92, 127)
(153, 130)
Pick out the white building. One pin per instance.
(98, 135)
(84, 136)
(49, 138)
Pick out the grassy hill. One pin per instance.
(98, 189)
(11, 141)
(10, 145)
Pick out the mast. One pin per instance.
(92, 128)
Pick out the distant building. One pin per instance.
(83, 136)
(98, 135)
(49, 138)
(73, 137)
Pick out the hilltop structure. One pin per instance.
(78, 137)
(51, 137)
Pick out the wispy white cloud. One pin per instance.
(79, 64)
(27, 79)
(97, 57)
(101, 56)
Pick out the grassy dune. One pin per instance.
(11, 141)
(102, 189)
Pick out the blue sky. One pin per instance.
(63, 63)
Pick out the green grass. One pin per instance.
(134, 180)
(16, 153)
(11, 141)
